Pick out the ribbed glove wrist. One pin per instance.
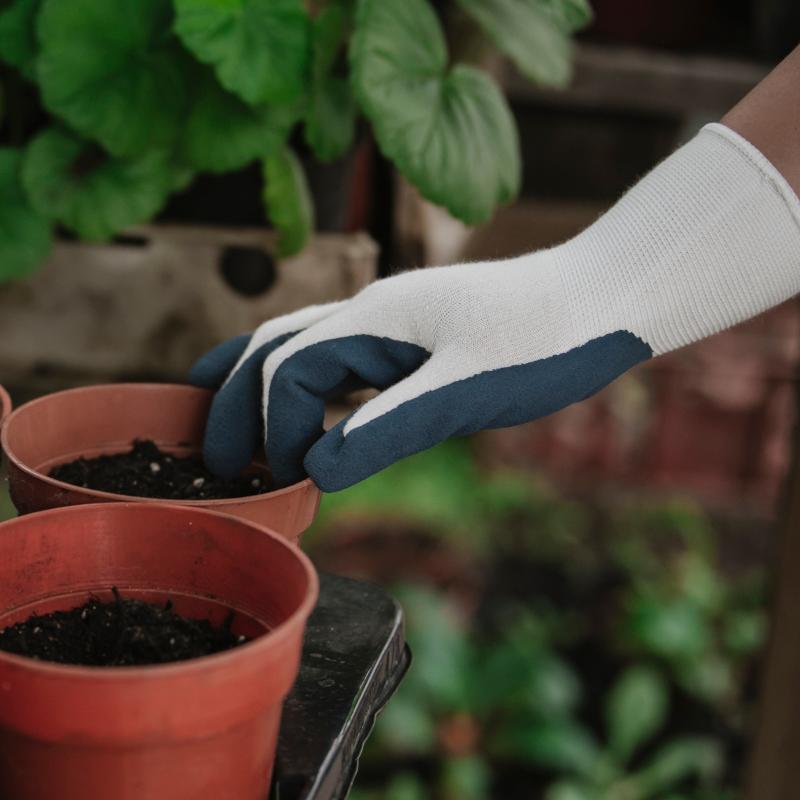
(709, 238)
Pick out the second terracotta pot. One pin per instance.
(98, 420)
(204, 729)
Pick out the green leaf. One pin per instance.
(567, 790)
(182, 176)
(442, 655)
(570, 15)
(329, 33)
(521, 673)
(636, 708)
(554, 688)
(534, 34)
(94, 194)
(443, 481)
(406, 726)
(745, 631)
(556, 744)
(288, 201)
(466, 778)
(330, 119)
(25, 236)
(331, 111)
(709, 677)
(673, 629)
(406, 786)
(223, 133)
(701, 583)
(691, 757)
(18, 35)
(259, 48)
(449, 131)
(113, 71)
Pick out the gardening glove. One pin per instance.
(709, 238)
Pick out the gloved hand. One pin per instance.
(709, 238)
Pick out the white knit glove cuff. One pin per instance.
(709, 239)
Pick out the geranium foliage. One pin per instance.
(136, 97)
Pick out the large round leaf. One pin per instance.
(24, 234)
(288, 201)
(90, 192)
(331, 111)
(535, 34)
(223, 133)
(258, 47)
(18, 35)
(113, 70)
(449, 131)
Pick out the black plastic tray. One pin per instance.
(354, 657)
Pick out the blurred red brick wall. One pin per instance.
(714, 419)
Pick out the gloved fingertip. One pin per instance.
(211, 369)
(227, 448)
(324, 464)
(222, 461)
(234, 427)
(284, 475)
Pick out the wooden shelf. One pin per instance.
(628, 78)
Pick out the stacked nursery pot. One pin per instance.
(201, 729)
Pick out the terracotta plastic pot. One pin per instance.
(204, 729)
(96, 420)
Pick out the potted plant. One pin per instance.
(108, 119)
(200, 729)
(108, 125)
(102, 420)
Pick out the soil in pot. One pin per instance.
(122, 632)
(147, 471)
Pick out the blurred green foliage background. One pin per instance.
(567, 649)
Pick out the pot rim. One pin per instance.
(210, 505)
(6, 406)
(209, 663)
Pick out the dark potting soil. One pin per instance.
(147, 471)
(123, 632)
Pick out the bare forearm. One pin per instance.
(769, 118)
